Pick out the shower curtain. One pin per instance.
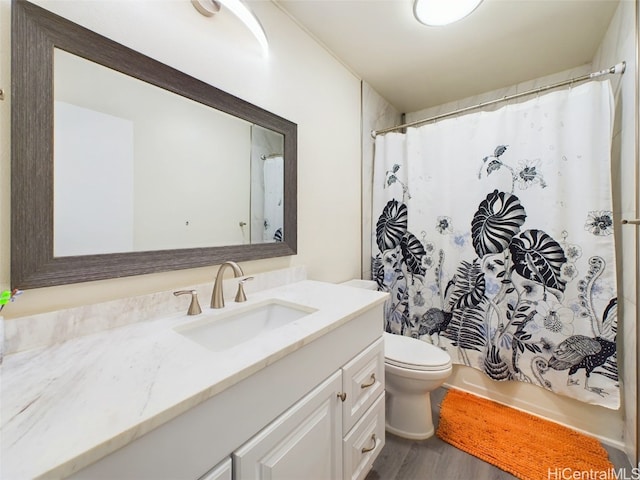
(494, 236)
(273, 195)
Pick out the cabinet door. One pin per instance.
(362, 383)
(305, 442)
(222, 471)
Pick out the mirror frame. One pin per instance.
(35, 34)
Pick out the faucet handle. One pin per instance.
(194, 306)
(240, 295)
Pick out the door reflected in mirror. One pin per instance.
(138, 168)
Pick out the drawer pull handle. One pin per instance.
(371, 383)
(368, 449)
(342, 396)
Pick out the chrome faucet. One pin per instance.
(217, 298)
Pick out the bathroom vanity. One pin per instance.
(304, 399)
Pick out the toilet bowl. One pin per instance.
(413, 368)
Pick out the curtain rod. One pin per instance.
(618, 68)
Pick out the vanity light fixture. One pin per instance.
(210, 7)
(443, 12)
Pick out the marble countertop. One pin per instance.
(68, 405)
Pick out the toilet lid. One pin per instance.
(414, 354)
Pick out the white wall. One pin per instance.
(298, 80)
(377, 114)
(619, 45)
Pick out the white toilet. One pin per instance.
(413, 368)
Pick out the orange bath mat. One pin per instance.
(519, 443)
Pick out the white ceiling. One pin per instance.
(413, 66)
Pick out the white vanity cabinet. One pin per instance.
(317, 413)
(333, 433)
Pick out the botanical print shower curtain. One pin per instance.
(494, 235)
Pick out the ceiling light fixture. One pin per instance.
(210, 7)
(443, 12)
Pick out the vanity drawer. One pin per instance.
(365, 441)
(362, 383)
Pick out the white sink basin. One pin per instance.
(219, 332)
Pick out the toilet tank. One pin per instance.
(366, 284)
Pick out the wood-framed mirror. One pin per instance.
(59, 236)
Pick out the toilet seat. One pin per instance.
(414, 354)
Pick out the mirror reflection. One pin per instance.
(267, 185)
(138, 168)
(133, 167)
